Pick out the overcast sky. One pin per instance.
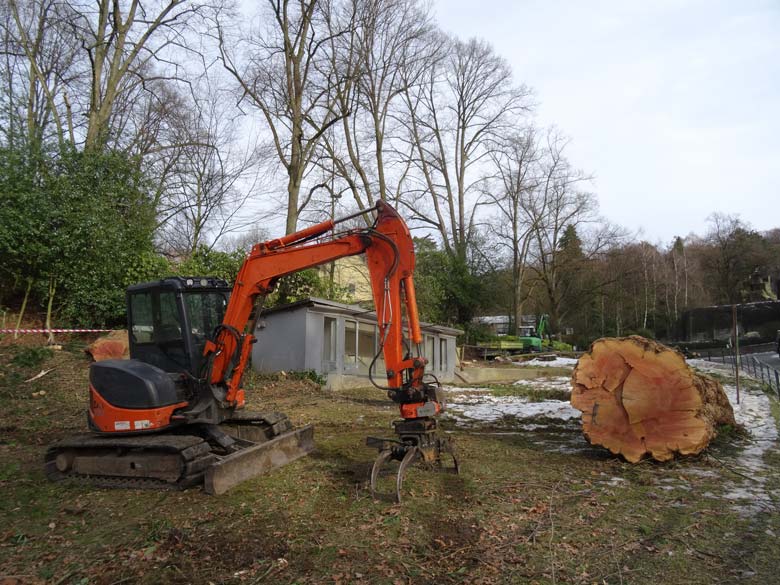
(673, 105)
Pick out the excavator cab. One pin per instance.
(169, 323)
(170, 320)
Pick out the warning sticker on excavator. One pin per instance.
(142, 424)
(122, 425)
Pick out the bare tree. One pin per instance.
(560, 212)
(129, 44)
(280, 74)
(88, 66)
(735, 251)
(211, 177)
(513, 193)
(679, 261)
(389, 44)
(463, 104)
(39, 63)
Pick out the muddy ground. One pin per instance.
(534, 502)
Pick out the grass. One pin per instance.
(30, 357)
(518, 513)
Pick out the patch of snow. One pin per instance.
(456, 389)
(614, 481)
(559, 362)
(754, 413)
(701, 472)
(557, 383)
(709, 367)
(470, 408)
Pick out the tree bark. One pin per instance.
(639, 398)
(24, 307)
(49, 305)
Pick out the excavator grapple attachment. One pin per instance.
(418, 443)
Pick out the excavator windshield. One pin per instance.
(205, 310)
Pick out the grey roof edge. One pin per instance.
(351, 310)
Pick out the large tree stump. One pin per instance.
(640, 398)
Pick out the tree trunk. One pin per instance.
(49, 305)
(24, 307)
(639, 398)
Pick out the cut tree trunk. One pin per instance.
(639, 398)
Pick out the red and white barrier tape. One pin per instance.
(55, 330)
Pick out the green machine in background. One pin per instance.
(530, 340)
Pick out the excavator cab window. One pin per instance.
(156, 330)
(171, 319)
(206, 310)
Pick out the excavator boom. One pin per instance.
(389, 251)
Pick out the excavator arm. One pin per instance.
(389, 251)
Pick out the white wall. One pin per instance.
(282, 344)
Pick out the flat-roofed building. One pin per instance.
(339, 342)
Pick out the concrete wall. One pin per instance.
(282, 344)
(335, 381)
(508, 374)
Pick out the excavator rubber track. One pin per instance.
(143, 462)
(263, 441)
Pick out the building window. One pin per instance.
(430, 351)
(350, 342)
(366, 348)
(329, 345)
(443, 357)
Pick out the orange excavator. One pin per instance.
(173, 415)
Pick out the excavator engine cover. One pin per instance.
(132, 384)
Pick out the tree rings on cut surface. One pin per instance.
(639, 398)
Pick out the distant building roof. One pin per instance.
(352, 311)
(503, 319)
(492, 320)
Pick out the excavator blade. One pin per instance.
(258, 459)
